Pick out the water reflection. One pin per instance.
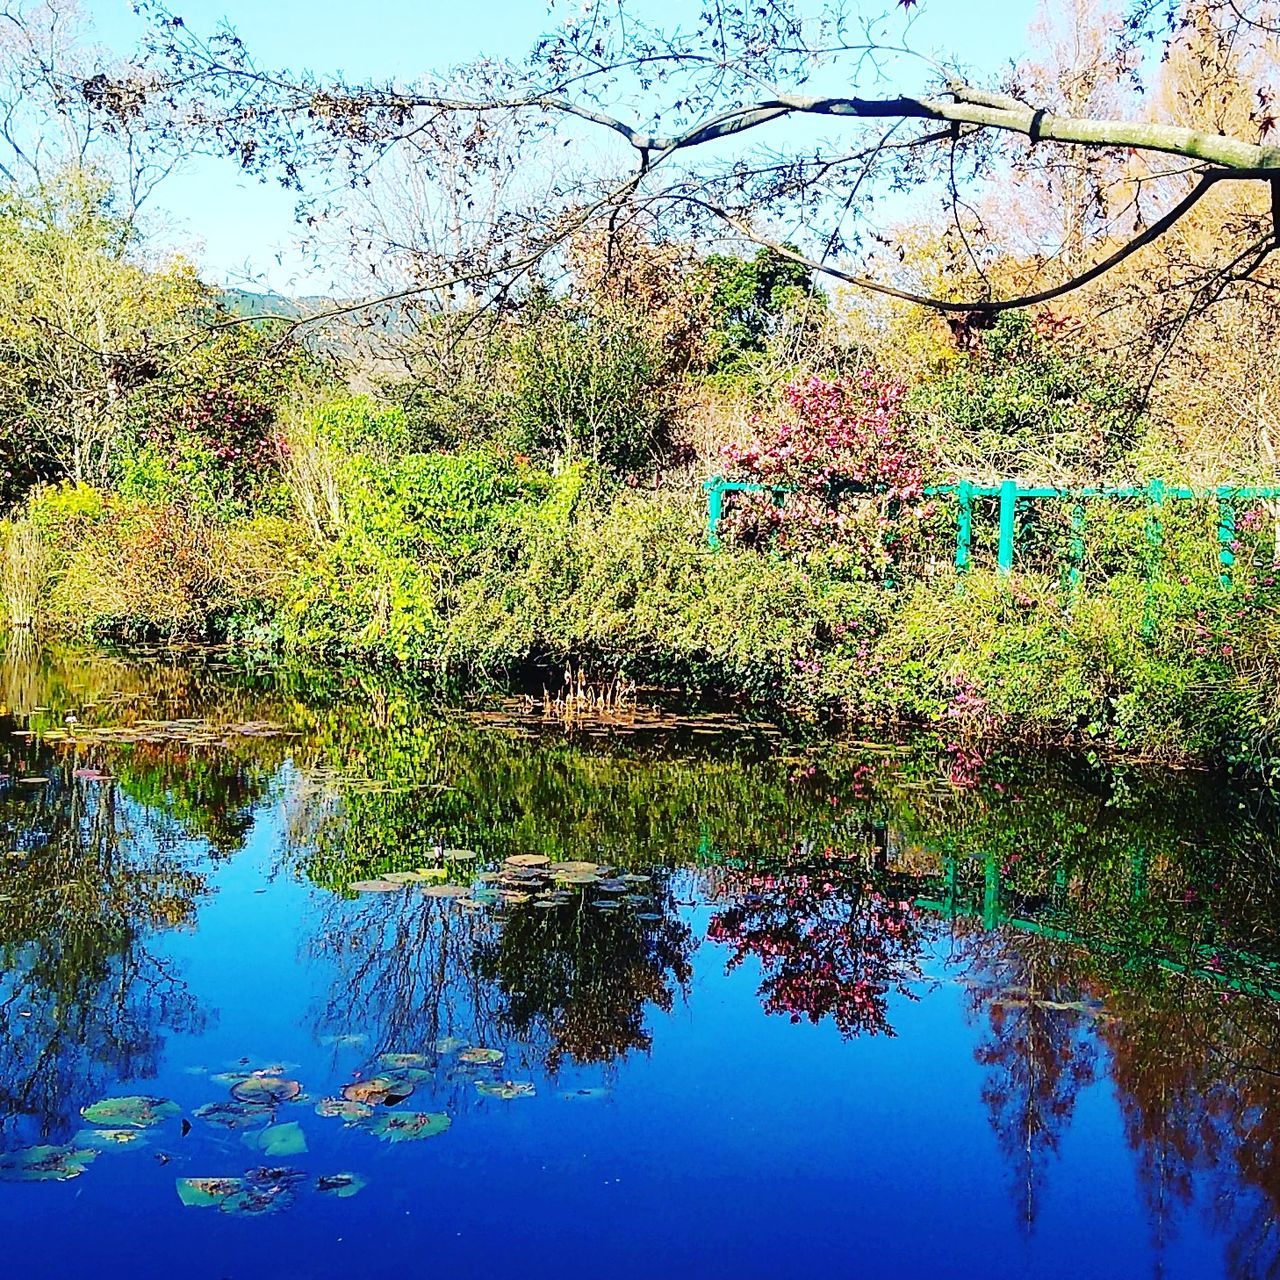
(1112, 931)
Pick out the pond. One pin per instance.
(307, 977)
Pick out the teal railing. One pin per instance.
(1010, 493)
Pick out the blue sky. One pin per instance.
(241, 231)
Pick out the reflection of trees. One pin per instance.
(579, 981)
(1197, 1077)
(83, 998)
(403, 973)
(1038, 1048)
(832, 934)
(574, 983)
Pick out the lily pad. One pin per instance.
(528, 860)
(207, 1193)
(45, 1163)
(380, 1090)
(279, 1141)
(132, 1112)
(400, 877)
(235, 1115)
(374, 886)
(449, 1044)
(576, 877)
(344, 1108)
(395, 1060)
(505, 1089)
(266, 1090)
(408, 1126)
(445, 890)
(341, 1185)
(479, 1056)
(110, 1139)
(559, 869)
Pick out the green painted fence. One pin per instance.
(1010, 493)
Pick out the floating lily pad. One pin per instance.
(408, 1126)
(396, 1060)
(341, 1185)
(460, 855)
(230, 1078)
(445, 890)
(513, 898)
(478, 1056)
(380, 1090)
(374, 886)
(505, 1089)
(528, 860)
(449, 1044)
(558, 869)
(132, 1112)
(576, 877)
(400, 877)
(45, 1163)
(344, 1108)
(207, 1193)
(235, 1115)
(433, 873)
(279, 1141)
(266, 1090)
(109, 1139)
(634, 878)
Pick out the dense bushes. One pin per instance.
(479, 563)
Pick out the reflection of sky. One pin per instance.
(740, 1146)
(245, 230)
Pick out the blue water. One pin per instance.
(877, 1087)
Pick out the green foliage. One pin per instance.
(750, 299)
(586, 383)
(1020, 404)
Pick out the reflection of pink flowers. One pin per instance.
(829, 944)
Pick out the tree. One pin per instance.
(83, 327)
(685, 104)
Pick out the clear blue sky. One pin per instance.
(241, 229)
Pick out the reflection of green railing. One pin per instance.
(954, 904)
(1010, 493)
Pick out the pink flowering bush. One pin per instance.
(852, 467)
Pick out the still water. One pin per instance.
(306, 979)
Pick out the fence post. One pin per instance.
(1155, 539)
(964, 525)
(715, 509)
(1076, 560)
(1008, 512)
(1226, 534)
